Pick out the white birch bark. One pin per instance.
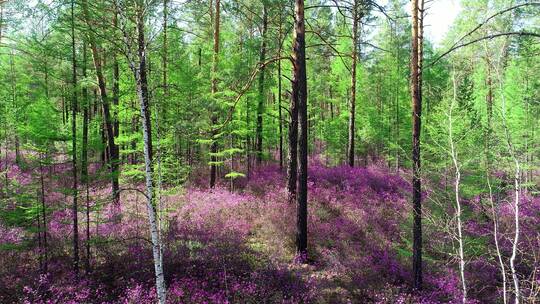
(496, 239)
(457, 169)
(517, 180)
(137, 66)
(152, 219)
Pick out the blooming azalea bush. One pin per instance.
(223, 246)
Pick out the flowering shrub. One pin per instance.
(238, 247)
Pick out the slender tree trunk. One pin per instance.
(74, 144)
(84, 161)
(515, 242)
(13, 79)
(165, 49)
(397, 86)
(292, 166)
(457, 181)
(261, 97)
(114, 148)
(517, 189)
(140, 73)
(248, 141)
(280, 121)
(496, 233)
(39, 233)
(416, 125)
(299, 94)
(104, 100)
(352, 102)
(165, 96)
(214, 118)
(43, 215)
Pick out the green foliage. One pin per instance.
(234, 175)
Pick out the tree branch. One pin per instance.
(478, 40)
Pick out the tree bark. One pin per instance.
(43, 215)
(115, 149)
(140, 73)
(84, 161)
(280, 121)
(416, 79)
(457, 168)
(352, 102)
(292, 166)
(299, 94)
(74, 209)
(214, 118)
(96, 56)
(261, 97)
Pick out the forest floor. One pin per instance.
(223, 246)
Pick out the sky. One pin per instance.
(440, 16)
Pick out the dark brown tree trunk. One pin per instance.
(214, 118)
(134, 129)
(75, 216)
(104, 100)
(352, 103)
(299, 94)
(43, 215)
(280, 121)
(115, 149)
(248, 141)
(261, 97)
(397, 81)
(416, 80)
(292, 166)
(84, 161)
(40, 243)
(63, 109)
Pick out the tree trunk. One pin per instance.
(260, 105)
(352, 105)
(43, 215)
(74, 144)
(280, 121)
(416, 79)
(292, 167)
(84, 162)
(114, 148)
(457, 168)
(214, 119)
(299, 95)
(104, 100)
(139, 70)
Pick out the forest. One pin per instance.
(269, 151)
